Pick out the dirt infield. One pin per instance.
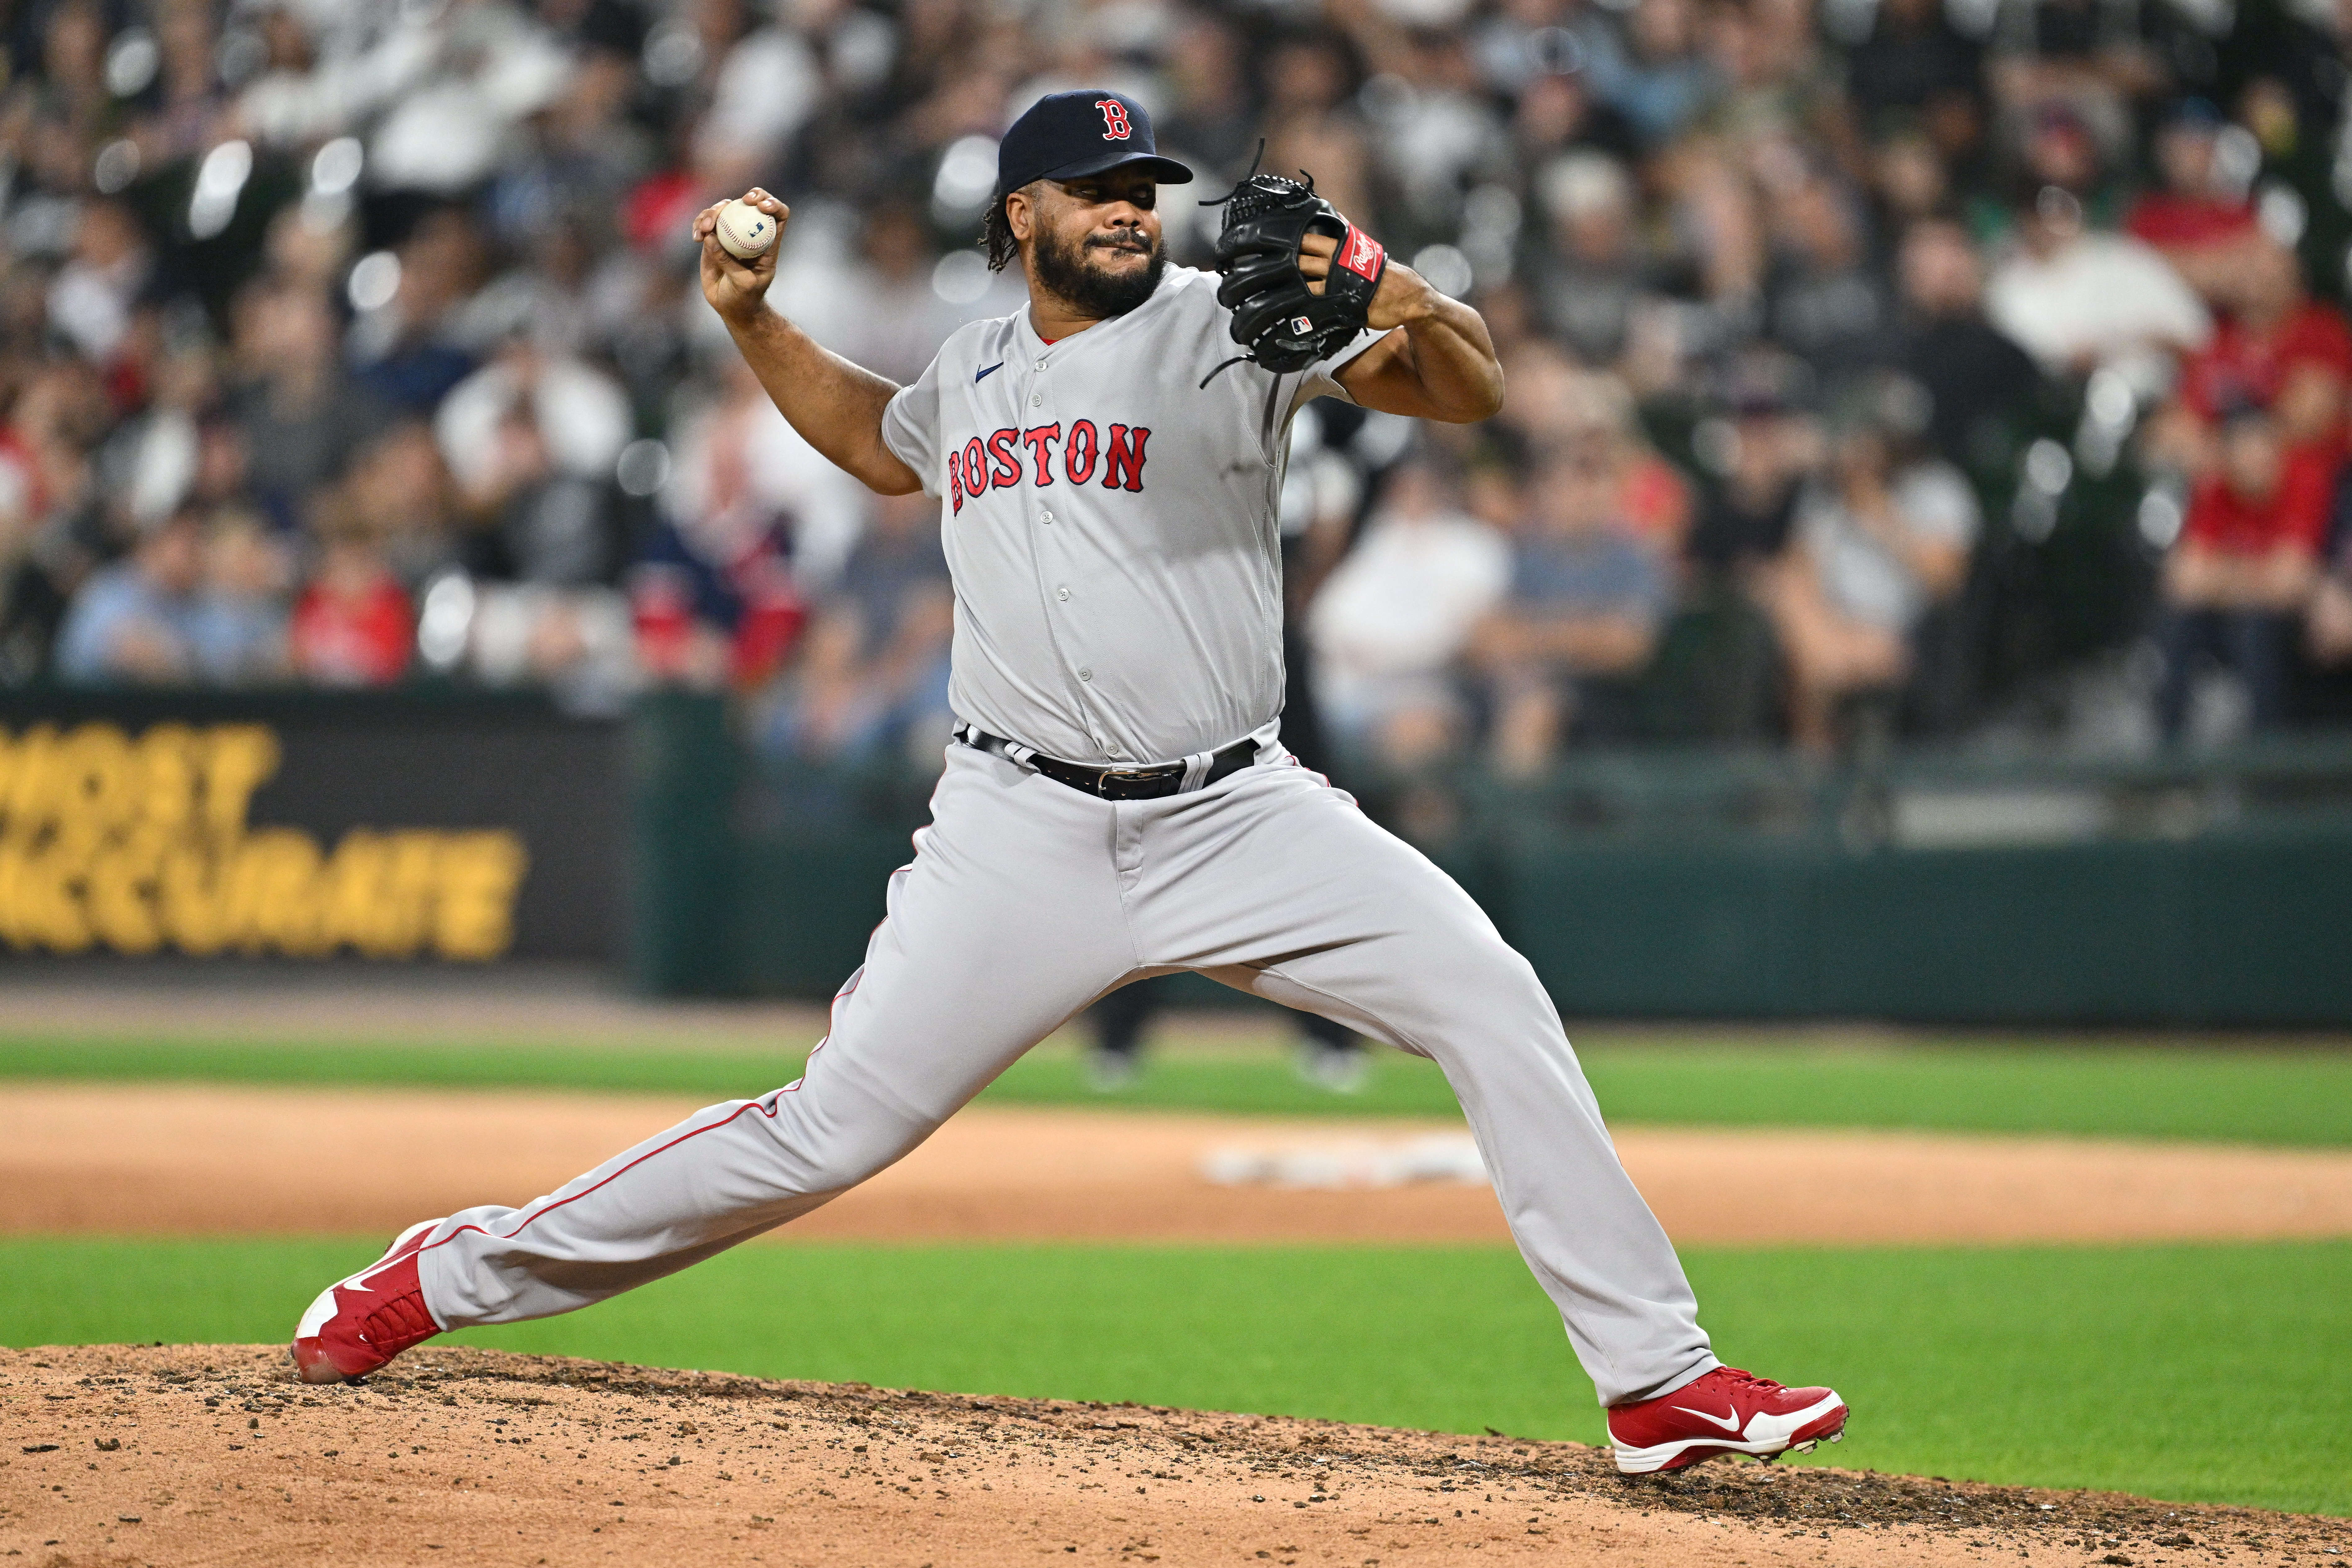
(189, 1159)
(212, 1454)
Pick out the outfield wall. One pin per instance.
(416, 826)
(431, 826)
(2213, 891)
(2248, 930)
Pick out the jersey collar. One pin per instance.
(1036, 345)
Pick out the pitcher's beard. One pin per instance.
(1064, 270)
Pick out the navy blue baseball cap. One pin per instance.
(1069, 135)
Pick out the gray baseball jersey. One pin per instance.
(1111, 525)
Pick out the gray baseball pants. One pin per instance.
(1027, 900)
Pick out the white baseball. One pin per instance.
(745, 231)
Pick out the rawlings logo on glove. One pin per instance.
(1280, 324)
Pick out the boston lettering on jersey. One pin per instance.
(993, 462)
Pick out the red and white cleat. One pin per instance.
(358, 1324)
(1725, 1412)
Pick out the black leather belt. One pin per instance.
(1195, 772)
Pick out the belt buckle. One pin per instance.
(1110, 777)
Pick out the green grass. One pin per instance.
(2246, 1094)
(2188, 1372)
(719, 1072)
(2302, 1097)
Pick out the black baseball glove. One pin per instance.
(1277, 322)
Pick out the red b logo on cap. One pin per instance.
(1114, 113)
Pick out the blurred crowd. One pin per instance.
(1943, 368)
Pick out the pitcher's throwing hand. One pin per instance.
(736, 287)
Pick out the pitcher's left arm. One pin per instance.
(1437, 360)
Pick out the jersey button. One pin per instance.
(1085, 674)
(1063, 594)
(1041, 364)
(1036, 400)
(1044, 517)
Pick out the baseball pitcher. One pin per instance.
(1119, 803)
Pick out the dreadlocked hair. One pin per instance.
(996, 238)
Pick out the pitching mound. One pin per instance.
(212, 1454)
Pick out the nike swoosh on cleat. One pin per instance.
(989, 371)
(1729, 1423)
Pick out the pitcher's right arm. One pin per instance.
(836, 406)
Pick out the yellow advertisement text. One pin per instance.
(136, 845)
